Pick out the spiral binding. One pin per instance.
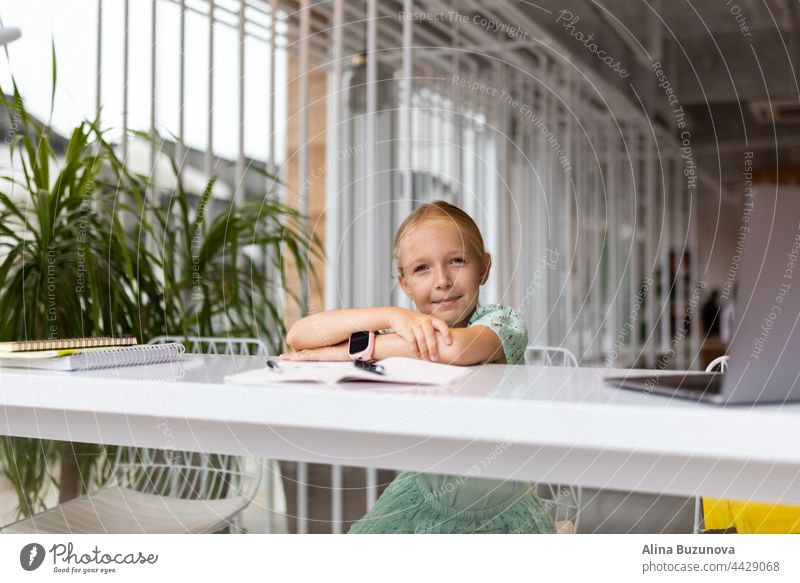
(127, 356)
(63, 343)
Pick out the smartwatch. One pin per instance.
(362, 346)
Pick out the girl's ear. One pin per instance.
(487, 267)
(401, 280)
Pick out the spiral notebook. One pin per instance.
(93, 358)
(65, 343)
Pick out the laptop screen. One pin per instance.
(765, 345)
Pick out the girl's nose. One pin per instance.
(443, 279)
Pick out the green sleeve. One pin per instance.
(509, 327)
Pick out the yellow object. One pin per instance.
(64, 343)
(750, 517)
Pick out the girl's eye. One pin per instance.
(458, 259)
(419, 268)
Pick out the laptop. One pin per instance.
(764, 363)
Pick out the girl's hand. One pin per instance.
(337, 352)
(419, 330)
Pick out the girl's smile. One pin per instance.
(446, 303)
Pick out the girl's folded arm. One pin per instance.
(473, 345)
(477, 344)
(387, 345)
(335, 326)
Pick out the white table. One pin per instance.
(558, 425)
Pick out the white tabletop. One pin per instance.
(553, 424)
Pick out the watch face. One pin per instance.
(359, 341)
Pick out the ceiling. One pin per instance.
(721, 58)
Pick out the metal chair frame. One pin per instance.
(720, 363)
(564, 501)
(550, 356)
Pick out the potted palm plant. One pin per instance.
(84, 251)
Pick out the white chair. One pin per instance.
(718, 364)
(563, 501)
(216, 344)
(161, 491)
(154, 492)
(271, 495)
(252, 346)
(550, 356)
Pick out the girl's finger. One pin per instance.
(444, 329)
(422, 344)
(430, 341)
(415, 346)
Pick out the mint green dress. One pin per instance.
(441, 504)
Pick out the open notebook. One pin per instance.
(397, 370)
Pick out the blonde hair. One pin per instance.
(440, 210)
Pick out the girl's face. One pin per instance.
(437, 273)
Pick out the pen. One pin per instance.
(273, 365)
(368, 366)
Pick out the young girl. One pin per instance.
(441, 264)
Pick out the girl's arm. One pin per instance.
(474, 345)
(335, 326)
(422, 332)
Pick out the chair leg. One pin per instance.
(698, 515)
(578, 506)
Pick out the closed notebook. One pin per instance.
(65, 343)
(93, 358)
(397, 370)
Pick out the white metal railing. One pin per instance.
(603, 217)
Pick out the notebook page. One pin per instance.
(398, 370)
(421, 372)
